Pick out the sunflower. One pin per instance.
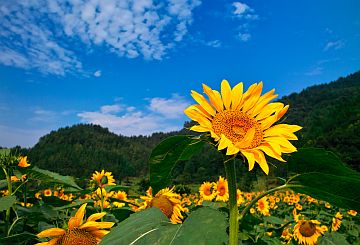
(167, 201)
(336, 222)
(23, 162)
(243, 122)
(89, 233)
(222, 190)
(307, 232)
(352, 212)
(263, 206)
(207, 192)
(103, 178)
(239, 198)
(47, 192)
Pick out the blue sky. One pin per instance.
(130, 65)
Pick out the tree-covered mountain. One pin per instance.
(329, 113)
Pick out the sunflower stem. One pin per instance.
(233, 209)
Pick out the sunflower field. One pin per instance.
(316, 204)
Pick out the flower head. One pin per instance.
(78, 232)
(103, 178)
(307, 231)
(167, 201)
(222, 190)
(23, 162)
(207, 192)
(243, 122)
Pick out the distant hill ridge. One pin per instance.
(329, 113)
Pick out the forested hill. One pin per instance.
(329, 113)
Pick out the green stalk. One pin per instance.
(252, 203)
(233, 209)
(7, 217)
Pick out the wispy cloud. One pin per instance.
(335, 45)
(39, 34)
(97, 73)
(244, 37)
(160, 115)
(242, 10)
(315, 71)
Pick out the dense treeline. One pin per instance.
(329, 113)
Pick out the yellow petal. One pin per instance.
(282, 142)
(51, 242)
(96, 216)
(265, 124)
(246, 141)
(203, 102)
(93, 225)
(223, 143)
(263, 101)
(282, 112)
(80, 213)
(51, 232)
(213, 99)
(236, 96)
(279, 130)
(260, 158)
(226, 94)
(74, 223)
(200, 129)
(269, 109)
(253, 98)
(218, 100)
(232, 150)
(250, 158)
(99, 233)
(270, 152)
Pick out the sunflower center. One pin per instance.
(307, 229)
(222, 191)
(261, 205)
(235, 124)
(164, 204)
(78, 237)
(207, 191)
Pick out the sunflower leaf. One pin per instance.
(166, 154)
(51, 177)
(322, 175)
(151, 226)
(6, 202)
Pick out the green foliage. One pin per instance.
(153, 227)
(6, 202)
(165, 155)
(51, 177)
(322, 175)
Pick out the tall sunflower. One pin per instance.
(167, 201)
(263, 206)
(78, 232)
(244, 122)
(307, 232)
(103, 178)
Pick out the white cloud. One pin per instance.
(244, 37)
(106, 109)
(169, 108)
(334, 45)
(97, 73)
(214, 43)
(38, 33)
(242, 10)
(160, 115)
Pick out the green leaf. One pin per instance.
(166, 154)
(4, 152)
(333, 238)
(109, 188)
(6, 202)
(17, 238)
(203, 226)
(77, 203)
(3, 183)
(274, 220)
(122, 213)
(51, 177)
(322, 175)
